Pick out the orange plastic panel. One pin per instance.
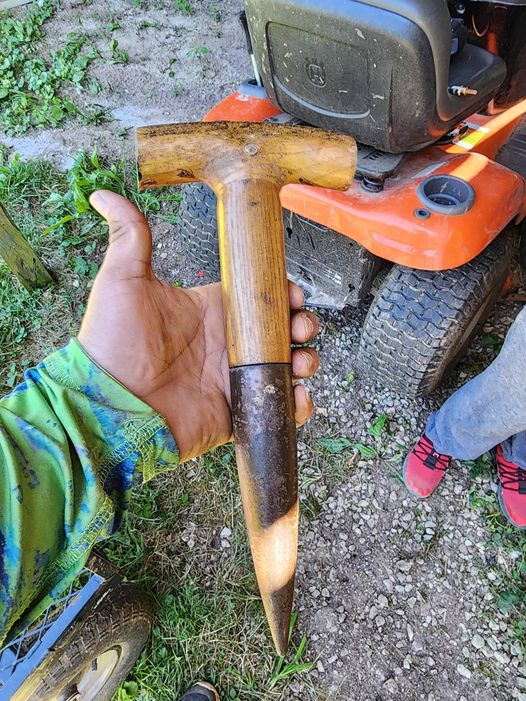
(385, 223)
(239, 107)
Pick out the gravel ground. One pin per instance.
(397, 596)
(397, 593)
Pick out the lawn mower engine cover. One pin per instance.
(377, 69)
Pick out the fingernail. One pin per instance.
(97, 200)
(309, 326)
(306, 356)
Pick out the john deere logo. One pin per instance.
(316, 74)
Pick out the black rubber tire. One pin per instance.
(198, 228)
(123, 621)
(421, 323)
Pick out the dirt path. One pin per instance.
(397, 596)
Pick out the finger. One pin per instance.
(304, 405)
(130, 248)
(303, 327)
(305, 362)
(296, 296)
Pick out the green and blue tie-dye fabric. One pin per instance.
(73, 440)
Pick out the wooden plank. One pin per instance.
(19, 257)
(8, 4)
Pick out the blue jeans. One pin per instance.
(489, 409)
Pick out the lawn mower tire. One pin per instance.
(421, 322)
(198, 228)
(100, 650)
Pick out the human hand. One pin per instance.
(167, 345)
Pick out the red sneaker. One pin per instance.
(424, 468)
(512, 490)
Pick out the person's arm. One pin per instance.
(84, 422)
(72, 442)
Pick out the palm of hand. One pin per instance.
(167, 345)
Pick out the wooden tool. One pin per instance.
(246, 165)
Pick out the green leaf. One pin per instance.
(339, 444)
(507, 600)
(365, 451)
(378, 425)
(491, 340)
(336, 445)
(12, 374)
(60, 222)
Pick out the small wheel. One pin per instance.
(198, 227)
(96, 658)
(421, 323)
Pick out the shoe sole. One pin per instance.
(506, 512)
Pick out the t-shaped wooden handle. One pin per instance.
(246, 165)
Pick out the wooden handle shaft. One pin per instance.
(253, 273)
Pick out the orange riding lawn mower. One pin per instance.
(434, 92)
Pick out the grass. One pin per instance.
(506, 566)
(52, 211)
(184, 6)
(31, 85)
(209, 619)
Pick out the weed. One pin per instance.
(214, 12)
(178, 89)
(197, 52)
(33, 323)
(53, 212)
(171, 72)
(30, 86)
(311, 507)
(147, 24)
(209, 619)
(378, 425)
(87, 175)
(184, 6)
(339, 444)
(112, 26)
(118, 55)
(491, 340)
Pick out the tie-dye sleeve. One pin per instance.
(72, 442)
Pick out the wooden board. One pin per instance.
(20, 257)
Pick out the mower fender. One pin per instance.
(395, 224)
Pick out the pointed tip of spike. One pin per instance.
(278, 607)
(265, 432)
(282, 647)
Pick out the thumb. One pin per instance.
(130, 238)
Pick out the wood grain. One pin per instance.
(253, 273)
(219, 152)
(246, 165)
